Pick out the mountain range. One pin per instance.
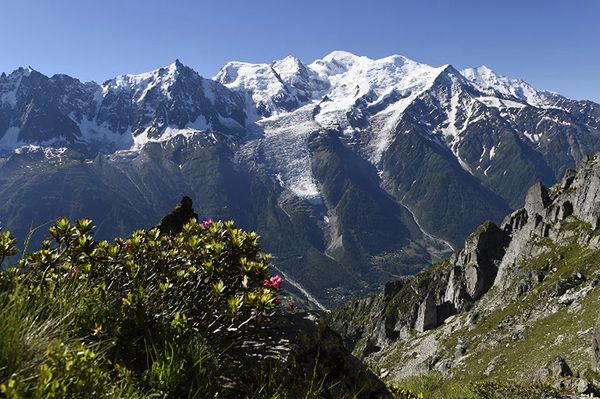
(353, 170)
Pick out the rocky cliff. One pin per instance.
(515, 297)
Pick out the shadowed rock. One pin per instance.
(173, 222)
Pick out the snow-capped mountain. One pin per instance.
(122, 113)
(353, 169)
(489, 81)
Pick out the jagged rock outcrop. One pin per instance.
(528, 283)
(476, 266)
(425, 301)
(537, 199)
(545, 213)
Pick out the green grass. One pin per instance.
(436, 386)
(564, 332)
(550, 329)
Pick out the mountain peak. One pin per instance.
(165, 76)
(341, 55)
(177, 66)
(289, 60)
(484, 69)
(342, 60)
(20, 72)
(486, 79)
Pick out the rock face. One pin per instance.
(537, 268)
(536, 199)
(476, 266)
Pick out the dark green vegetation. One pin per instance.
(123, 193)
(376, 236)
(155, 316)
(447, 199)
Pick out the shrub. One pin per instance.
(183, 291)
(8, 246)
(69, 372)
(209, 277)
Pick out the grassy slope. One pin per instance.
(550, 329)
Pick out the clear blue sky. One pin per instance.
(553, 44)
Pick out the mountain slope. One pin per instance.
(514, 298)
(482, 120)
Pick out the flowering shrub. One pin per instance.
(133, 293)
(212, 276)
(8, 246)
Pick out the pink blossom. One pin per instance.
(274, 282)
(74, 271)
(277, 302)
(207, 223)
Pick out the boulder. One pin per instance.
(555, 370)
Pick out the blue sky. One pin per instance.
(552, 44)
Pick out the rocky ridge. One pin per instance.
(515, 296)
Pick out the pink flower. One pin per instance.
(74, 271)
(274, 282)
(277, 301)
(206, 224)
